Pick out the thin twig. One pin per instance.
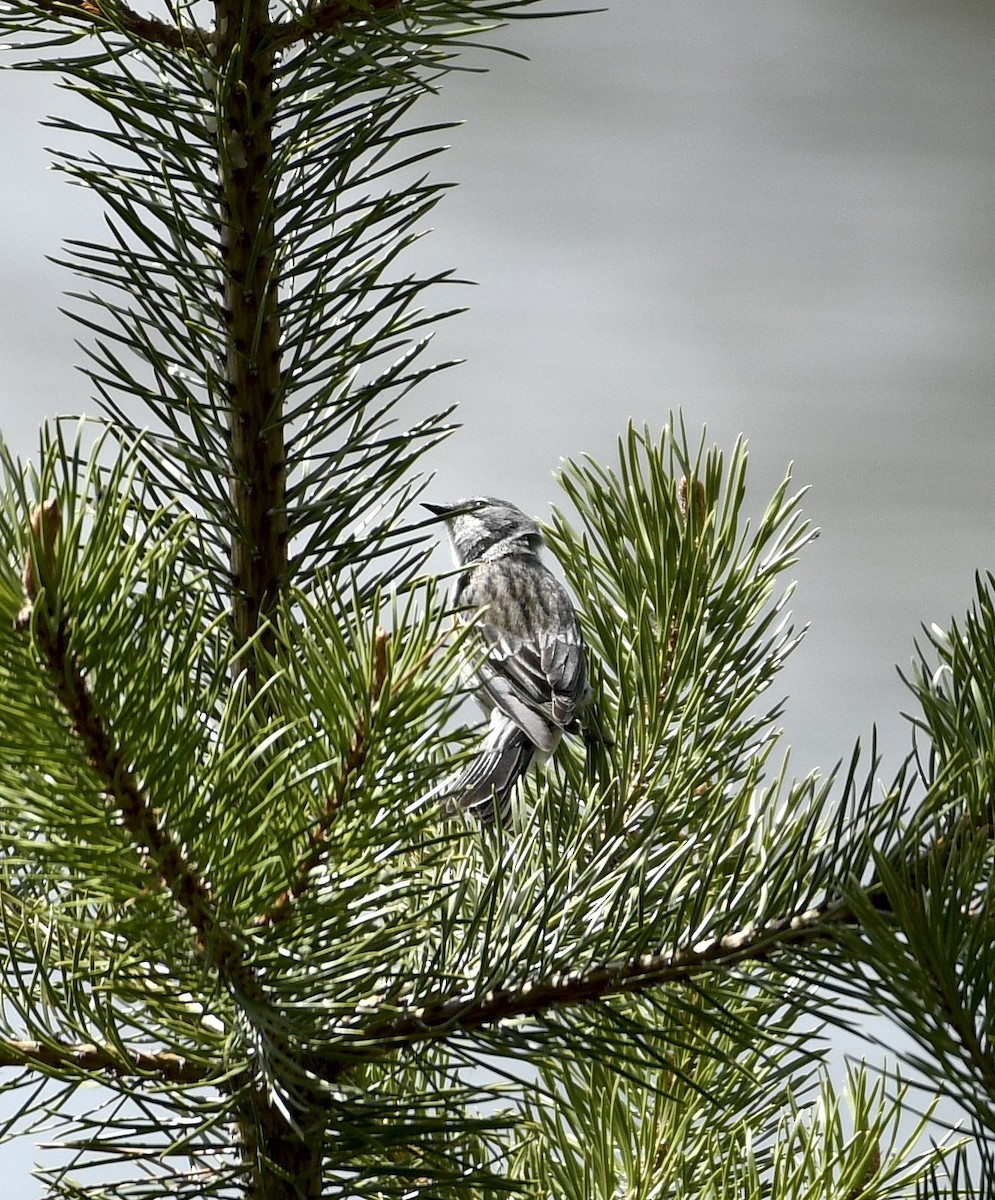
(330, 16)
(139, 817)
(112, 15)
(322, 20)
(71, 1060)
(355, 759)
(470, 1010)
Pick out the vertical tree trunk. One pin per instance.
(248, 242)
(282, 1162)
(282, 1159)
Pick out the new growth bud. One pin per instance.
(39, 562)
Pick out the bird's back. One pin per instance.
(534, 650)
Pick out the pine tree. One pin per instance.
(229, 683)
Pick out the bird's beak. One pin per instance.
(444, 511)
(438, 510)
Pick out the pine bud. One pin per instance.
(44, 531)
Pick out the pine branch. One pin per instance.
(266, 1136)
(467, 1011)
(323, 18)
(355, 758)
(328, 16)
(138, 814)
(111, 14)
(87, 1058)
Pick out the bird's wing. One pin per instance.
(510, 679)
(564, 666)
(532, 665)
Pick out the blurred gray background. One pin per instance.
(774, 215)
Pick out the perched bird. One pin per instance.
(527, 668)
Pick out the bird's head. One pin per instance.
(479, 524)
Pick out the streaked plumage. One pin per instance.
(530, 674)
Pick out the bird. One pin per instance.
(526, 665)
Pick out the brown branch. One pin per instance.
(355, 759)
(324, 19)
(86, 1057)
(469, 1010)
(139, 817)
(329, 16)
(111, 15)
(282, 1155)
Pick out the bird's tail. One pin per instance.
(485, 784)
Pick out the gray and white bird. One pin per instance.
(527, 667)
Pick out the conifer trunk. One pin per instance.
(282, 1162)
(257, 465)
(282, 1159)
